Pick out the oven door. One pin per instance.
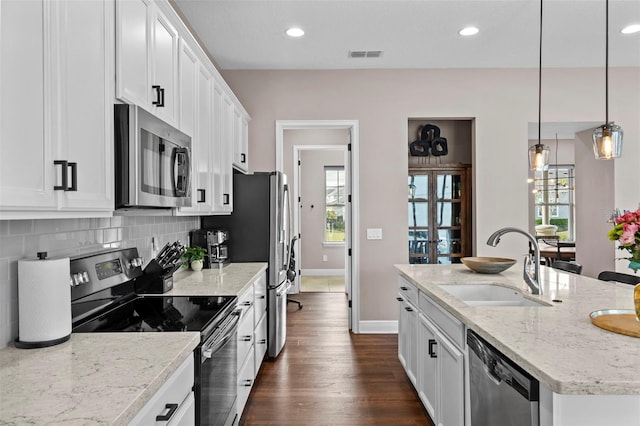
(217, 378)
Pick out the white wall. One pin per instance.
(502, 102)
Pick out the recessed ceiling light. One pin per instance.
(631, 29)
(468, 31)
(295, 32)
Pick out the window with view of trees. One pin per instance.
(334, 203)
(554, 199)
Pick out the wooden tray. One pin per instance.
(621, 321)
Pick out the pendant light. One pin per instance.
(607, 139)
(539, 153)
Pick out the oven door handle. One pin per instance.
(212, 346)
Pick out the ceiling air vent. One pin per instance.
(365, 53)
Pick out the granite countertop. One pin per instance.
(106, 378)
(557, 344)
(231, 280)
(92, 379)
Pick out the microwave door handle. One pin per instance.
(180, 171)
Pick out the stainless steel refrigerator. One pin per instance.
(260, 231)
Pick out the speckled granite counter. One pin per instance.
(231, 280)
(106, 378)
(92, 379)
(557, 344)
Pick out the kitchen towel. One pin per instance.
(44, 302)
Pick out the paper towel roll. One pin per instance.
(44, 302)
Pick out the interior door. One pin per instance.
(348, 267)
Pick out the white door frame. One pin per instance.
(351, 262)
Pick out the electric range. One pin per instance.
(104, 299)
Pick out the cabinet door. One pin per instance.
(189, 121)
(164, 60)
(203, 161)
(81, 104)
(26, 151)
(132, 51)
(451, 383)
(439, 220)
(240, 141)
(223, 157)
(427, 364)
(407, 338)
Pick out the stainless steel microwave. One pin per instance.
(152, 159)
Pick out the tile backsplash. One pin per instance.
(70, 237)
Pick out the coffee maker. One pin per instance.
(214, 242)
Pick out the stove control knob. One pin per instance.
(135, 262)
(76, 279)
(85, 277)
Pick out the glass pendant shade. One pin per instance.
(539, 157)
(607, 141)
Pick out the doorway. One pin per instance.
(288, 155)
(320, 197)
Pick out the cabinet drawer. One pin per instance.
(245, 337)
(174, 391)
(260, 342)
(245, 383)
(246, 301)
(408, 290)
(260, 292)
(453, 328)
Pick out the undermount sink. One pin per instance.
(489, 295)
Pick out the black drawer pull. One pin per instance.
(172, 409)
(404, 288)
(74, 177)
(399, 299)
(243, 158)
(432, 352)
(245, 339)
(408, 309)
(65, 167)
(225, 199)
(202, 195)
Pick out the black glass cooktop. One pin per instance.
(160, 314)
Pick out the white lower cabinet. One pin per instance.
(440, 375)
(174, 403)
(431, 350)
(252, 337)
(407, 337)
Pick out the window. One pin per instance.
(334, 203)
(554, 199)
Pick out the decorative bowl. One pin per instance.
(488, 265)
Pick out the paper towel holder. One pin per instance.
(32, 299)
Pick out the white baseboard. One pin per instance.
(322, 272)
(378, 327)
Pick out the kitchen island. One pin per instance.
(107, 378)
(582, 369)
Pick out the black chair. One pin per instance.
(563, 265)
(619, 277)
(291, 272)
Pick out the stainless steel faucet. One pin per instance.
(532, 280)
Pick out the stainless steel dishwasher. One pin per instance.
(501, 393)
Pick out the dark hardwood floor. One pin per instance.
(326, 375)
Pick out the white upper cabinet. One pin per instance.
(56, 149)
(240, 140)
(146, 58)
(223, 151)
(200, 120)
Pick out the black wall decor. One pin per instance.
(430, 141)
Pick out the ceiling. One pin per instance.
(249, 34)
